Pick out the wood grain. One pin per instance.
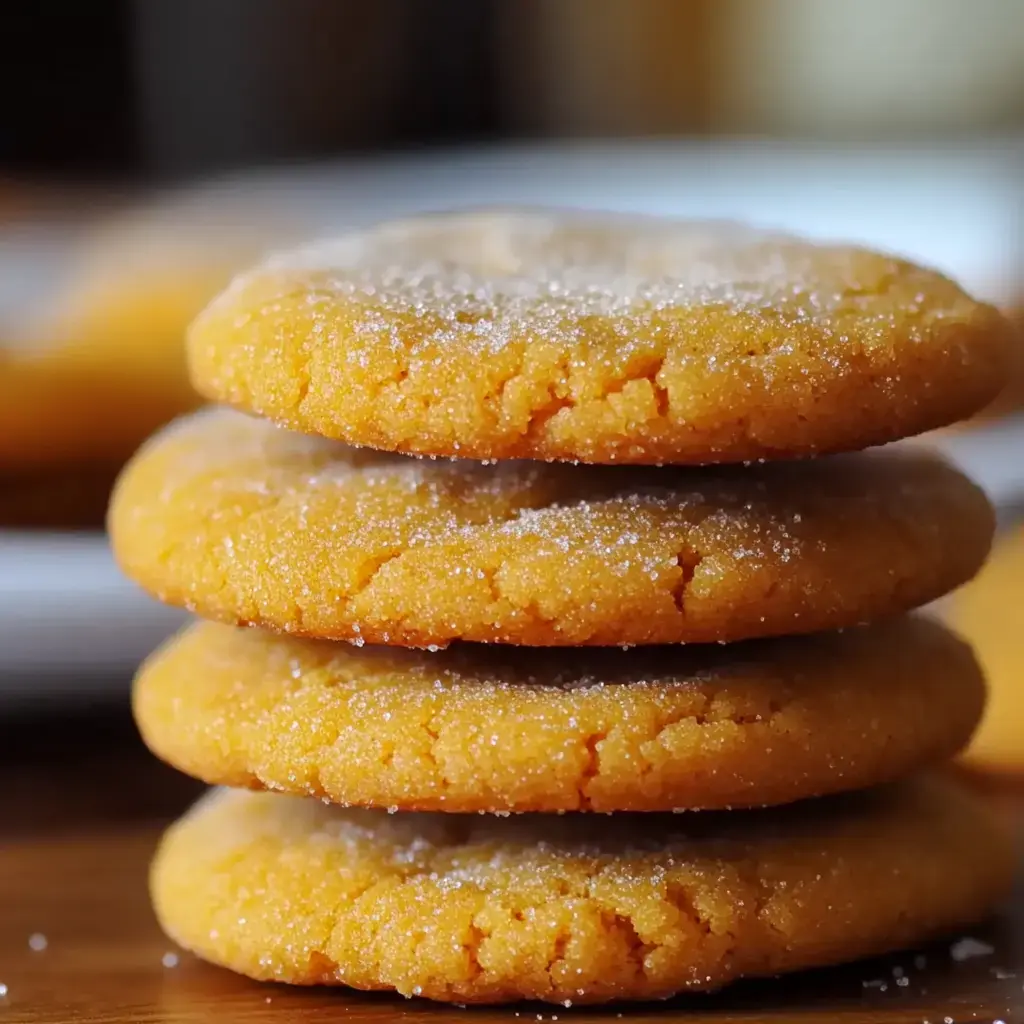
(82, 805)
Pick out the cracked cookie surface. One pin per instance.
(476, 728)
(247, 523)
(573, 908)
(602, 338)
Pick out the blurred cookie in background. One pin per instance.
(989, 612)
(92, 346)
(96, 361)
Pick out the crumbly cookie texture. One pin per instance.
(480, 728)
(571, 909)
(600, 338)
(247, 523)
(990, 613)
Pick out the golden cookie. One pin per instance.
(598, 338)
(248, 523)
(91, 373)
(514, 729)
(990, 613)
(103, 374)
(577, 908)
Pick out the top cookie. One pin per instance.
(599, 338)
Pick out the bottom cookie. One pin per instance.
(574, 909)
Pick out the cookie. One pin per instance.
(990, 613)
(244, 522)
(97, 363)
(572, 908)
(477, 728)
(599, 338)
(101, 373)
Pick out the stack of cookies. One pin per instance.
(453, 651)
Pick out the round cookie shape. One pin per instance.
(474, 728)
(598, 338)
(247, 523)
(573, 908)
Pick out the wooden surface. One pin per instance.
(83, 804)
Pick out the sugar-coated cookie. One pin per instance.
(244, 522)
(478, 728)
(577, 908)
(602, 338)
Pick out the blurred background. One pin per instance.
(149, 149)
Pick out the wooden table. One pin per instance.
(82, 805)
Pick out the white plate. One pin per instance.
(993, 457)
(69, 620)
